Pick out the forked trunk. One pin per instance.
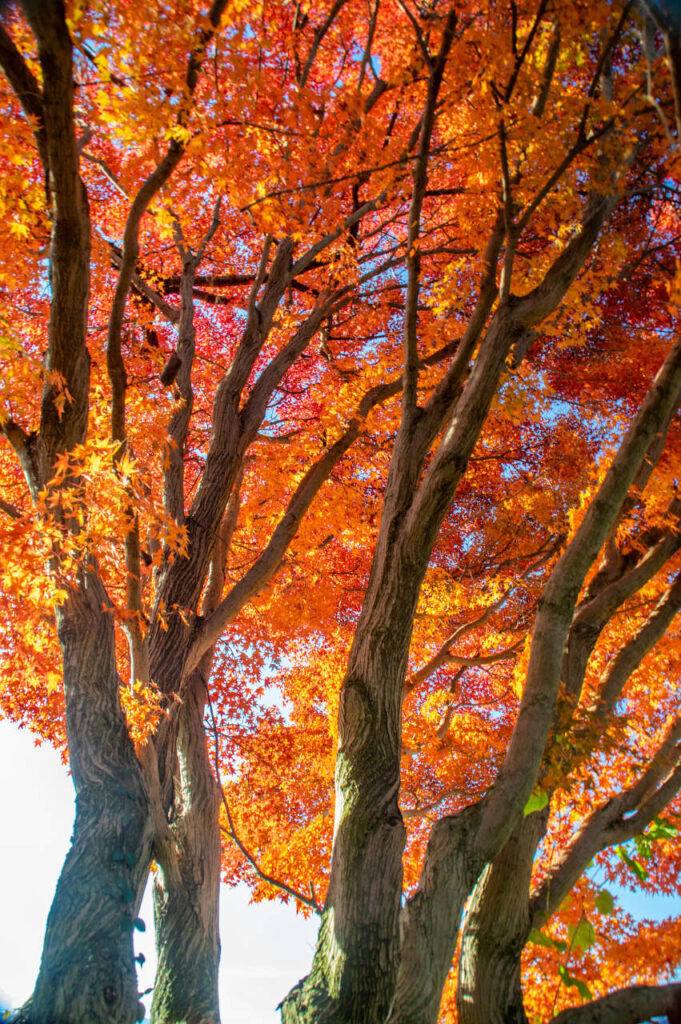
(432, 915)
(495, 930)
(186, 886)
(88, 969)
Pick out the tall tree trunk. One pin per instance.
(87, 971)
(357, 957)
(495, 930)
(186, 886)
(355, 968)
(431, 917)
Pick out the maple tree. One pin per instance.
(340, 379)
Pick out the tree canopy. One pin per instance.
(340, 518)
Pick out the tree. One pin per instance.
(313, 298)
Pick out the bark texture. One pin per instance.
(430, 918)
(355, 967)
(186, 887)
(87, 971)
(495, 930)
(634, 1005)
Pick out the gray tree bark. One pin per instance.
(87, 971)
(495, 929)
(431, 916)
(186, 886)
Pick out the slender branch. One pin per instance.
(423, 809)
(149, 294)
(145, 194)
(444, 653)
(27, 91)
(98, 161)
(308, 901)
(420, 181)
(612, 823)
(210, 233)
(173, 472)
(10, 510)
(418, 34)
(606, 594)
(304, 262)
(269, 561)
(137, 641)
(485, 659)
(319, 34)
(509, 227)
(549, 70)
(630, 656)
(366, 56)
(582, 143)
(520, 59)
(523, 758)
(440, 402)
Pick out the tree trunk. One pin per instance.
(495, 930)
(87, 971)
(186, 887)
(356, 963)
(357, 957)
(431, 917)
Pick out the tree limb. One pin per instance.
(518, 773)
(27, 91)
(633, 1005)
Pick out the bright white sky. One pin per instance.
(266, 948)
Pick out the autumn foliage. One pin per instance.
(328, 334)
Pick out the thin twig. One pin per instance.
(307, 901)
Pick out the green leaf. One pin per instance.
(571, 982)
(633, 865)
(539, 938)
(604, 902)
(661, 828)
(139, 924)
(583, 936)
(643, 845)
(537, 802)
(582, 988)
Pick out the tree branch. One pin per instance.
(27, 91)
(612, 823)
(145, 194)
(319, 34)
(630, 656)
(519, 771)
(230, 831)
(419, 184)
(604, 598)
(444, 652)
(66, 361)
(633, 1005)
